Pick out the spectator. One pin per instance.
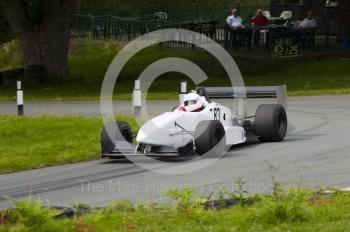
(234, 20)
(259, 19)
(308, 22)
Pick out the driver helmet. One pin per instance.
(193, 103)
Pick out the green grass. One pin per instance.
(90, 59)
(293, 210)
(36, 142)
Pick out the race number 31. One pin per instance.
(216, 113)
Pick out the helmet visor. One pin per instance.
(190, 102)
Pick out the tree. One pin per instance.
(6, 34)
(42, 26)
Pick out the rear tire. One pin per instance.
(271, 123)
(209, 134)
(107, 144)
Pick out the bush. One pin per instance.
(30, 215)
(291, 211)
(288, 207)
(11, 55)
(89, 47)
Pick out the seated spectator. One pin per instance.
(259, 19)
(234, 20)
(308, 22)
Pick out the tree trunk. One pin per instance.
(44, 43)
(54, 38)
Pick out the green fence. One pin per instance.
(264, 42)
(126, 29)
(108, 26)
(209, 12)
(82, 24)
(281, 40)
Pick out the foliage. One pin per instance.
(36, 10)
(89, 60)
(89, 48)
(288, 207)
(119, 206)
(31, 215)
(185, 198)
(297, 210)
(102, 6)
(10, 55)
(6, 33)
(132, 8)
(140, 7)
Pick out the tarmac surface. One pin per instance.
(315, 153)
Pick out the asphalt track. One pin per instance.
(316, 152)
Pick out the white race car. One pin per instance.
(198, 125)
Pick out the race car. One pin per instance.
(198, 126)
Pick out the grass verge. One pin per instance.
(90, 59)
(36, 142)
(293, 210)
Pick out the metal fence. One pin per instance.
(108, 26)
(272, 40)
(107, 23)
(82, 25)
(208, 12)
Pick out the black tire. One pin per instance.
(207, 135)
(107, 144)
(62, 212)
(271, 123)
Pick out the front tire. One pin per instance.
(271, 122)
(208, 135)
(107, 144)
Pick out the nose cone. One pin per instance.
(157, 130)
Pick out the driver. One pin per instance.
(192, 103)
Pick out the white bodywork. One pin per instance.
(175, 129)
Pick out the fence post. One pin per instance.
(183, 91)
(129, 31)
(226, 37)
(20, 107)
(118, 35)
(269, 43)
(92, 21)
(107, 26)
(346, 44)
(136, 99)
(328, 33)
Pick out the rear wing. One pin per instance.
(278, 92)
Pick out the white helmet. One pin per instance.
(193, 102)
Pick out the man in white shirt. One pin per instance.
(308, 22)
(234, 20)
